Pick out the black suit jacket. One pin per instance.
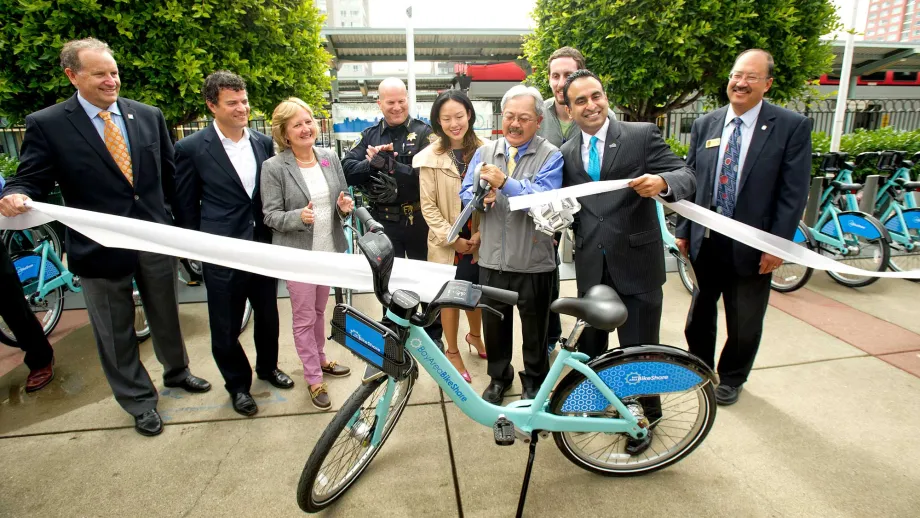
(209, 194)
(62, 145)
(774, 181)
(621, 227)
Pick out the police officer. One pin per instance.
(380, 164)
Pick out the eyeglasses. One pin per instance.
(748, 78)
(523, 119)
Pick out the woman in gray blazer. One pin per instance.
(304, 202)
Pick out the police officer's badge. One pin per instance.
(411, 136)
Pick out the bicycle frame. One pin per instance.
(42, 286)
(893, 215)
(527, 415)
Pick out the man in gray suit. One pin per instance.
(753, 163)
(617, 236)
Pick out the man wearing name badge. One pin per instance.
(513, 255)
(217, 191)
(753, 165)
(380, 164)
(617, 234)
(558, 128)
(115, 156)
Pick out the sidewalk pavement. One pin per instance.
(827, 426)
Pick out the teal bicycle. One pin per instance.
(846, 234)
(668, 228)
(591, 411)
(896, 207)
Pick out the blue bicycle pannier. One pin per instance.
(370, 340)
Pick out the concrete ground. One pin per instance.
(827, 426)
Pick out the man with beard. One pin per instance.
(753, 164)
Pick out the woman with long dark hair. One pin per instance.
(442, 167)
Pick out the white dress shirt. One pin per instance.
(748, 120)
(586, 144)
(242, 157)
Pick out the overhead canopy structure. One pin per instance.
(875, 56)
(463, 45)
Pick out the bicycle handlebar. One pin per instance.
(505, 296)
(367, 221)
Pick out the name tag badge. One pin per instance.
(713, 142)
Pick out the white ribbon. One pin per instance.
(280, 262)
(753, 237)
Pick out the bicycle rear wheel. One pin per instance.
(17, 241)
(247, 314)
(685, 271)
(686, 415)
(344, 449)
(791, 276)
(141, 327)
(867, 250)
(48, 312)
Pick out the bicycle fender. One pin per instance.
(636, 371)
(857, 223)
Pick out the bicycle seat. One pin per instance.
(601, 308)
(846, 187)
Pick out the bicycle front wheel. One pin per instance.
(685, 417)
(141, 327)
(866, 248)
(247, 314)
(791, 276)
(685, 271)
(345, 448)
(902, 259)
(48, 312)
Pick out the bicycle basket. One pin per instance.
(28, 265)
(369, 340)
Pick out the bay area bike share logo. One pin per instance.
(416, 344)
(357, 336)
(23, 269)
(634, 377)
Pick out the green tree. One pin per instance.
(165, 49)
(655, 56)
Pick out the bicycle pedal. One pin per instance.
(503, 429)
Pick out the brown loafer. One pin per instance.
(39, 378)
(336, 370)
(320, 398)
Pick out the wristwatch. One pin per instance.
(503, 183)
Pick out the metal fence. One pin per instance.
(11, 138)
(900, 114)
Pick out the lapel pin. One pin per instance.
(613, 145)
(764, 127)
(131, 116)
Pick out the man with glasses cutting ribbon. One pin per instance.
(513, 254)
(753, 164)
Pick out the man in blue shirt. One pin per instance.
(513, 255)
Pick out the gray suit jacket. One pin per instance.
(774, 181)
(622, 227)
(285, 194)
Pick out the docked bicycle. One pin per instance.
(591, 412)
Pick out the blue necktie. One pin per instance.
(594, 160)
(728, 178)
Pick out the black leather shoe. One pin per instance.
(244, 404)
(529, 393)
(278, 379)
(192, 383)
(148, 423)
(495, 391)
(728, 395)
(637, 446)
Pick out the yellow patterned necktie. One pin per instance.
(512, 163)
(115, 143)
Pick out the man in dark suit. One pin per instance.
(753, 163)
(115, 156)
(217, 191)
(617, 235)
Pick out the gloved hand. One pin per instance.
(383, 161)
(381, 189)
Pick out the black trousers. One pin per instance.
(534, 290)
(746, 299)
(228, 290)
(19, 317)
(412, 241)
(642, 325)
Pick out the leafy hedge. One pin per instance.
(8, 165)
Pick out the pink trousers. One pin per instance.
(308, 308)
